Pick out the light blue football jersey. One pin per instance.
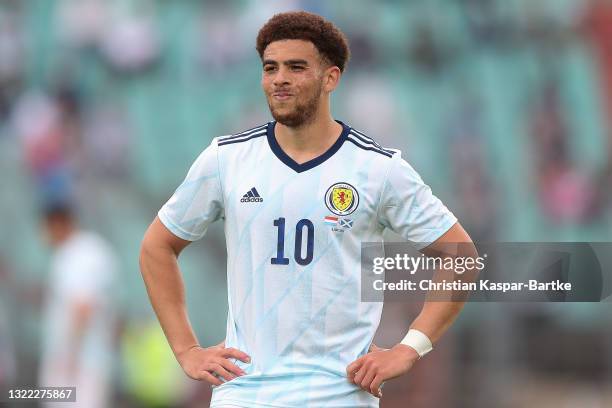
(294, 234)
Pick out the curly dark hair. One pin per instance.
(301, 25)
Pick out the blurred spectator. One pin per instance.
(41, 138)
(52, 142)
(80, 313)
(487, 24)
(217, 48)
(598, 25)
(82, 23)
(106, 143)
(125, 34)
(473, 187)
(426, 51)
(363, 50)
(130, 44)
(546, 28)
(566, 194)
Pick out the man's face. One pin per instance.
(292, 80)
(57, 229)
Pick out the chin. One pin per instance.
(290, 120)
(285, 116)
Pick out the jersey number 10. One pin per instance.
(280, 259)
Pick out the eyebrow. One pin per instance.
(288, 62)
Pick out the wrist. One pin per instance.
(406, 352)
(179, 353)
(418, 341)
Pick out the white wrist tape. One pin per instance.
(418, 341)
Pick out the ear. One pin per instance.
(331, 78)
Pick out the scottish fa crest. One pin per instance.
(341, 199)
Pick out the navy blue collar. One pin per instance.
(284, 157)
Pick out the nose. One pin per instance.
(281, 77)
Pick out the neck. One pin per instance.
(310, 140)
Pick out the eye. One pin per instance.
(269, 68)
(297, 67)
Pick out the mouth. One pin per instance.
(282, 96)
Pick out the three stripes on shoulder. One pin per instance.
(367, 143)
(244, 136)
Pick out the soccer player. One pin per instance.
(80, 313)
(298, 196)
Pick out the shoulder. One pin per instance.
(226, 146)
(369, 146)
(243, 137)
(366, 149)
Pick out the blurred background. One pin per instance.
(503, 106)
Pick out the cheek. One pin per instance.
(311, 89)
(265, 83)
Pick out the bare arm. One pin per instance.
(437, 316)
(379, 365)
(160, 271)
(162, 277)
(81, 312)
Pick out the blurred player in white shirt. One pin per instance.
(79, 315)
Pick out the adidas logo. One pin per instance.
(252, 196)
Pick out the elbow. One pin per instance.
(470, 250)
(144, 254)
(476, 263)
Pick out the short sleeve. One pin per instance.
(409, 208)
(198, 201)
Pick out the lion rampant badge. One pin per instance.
(341, 199)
